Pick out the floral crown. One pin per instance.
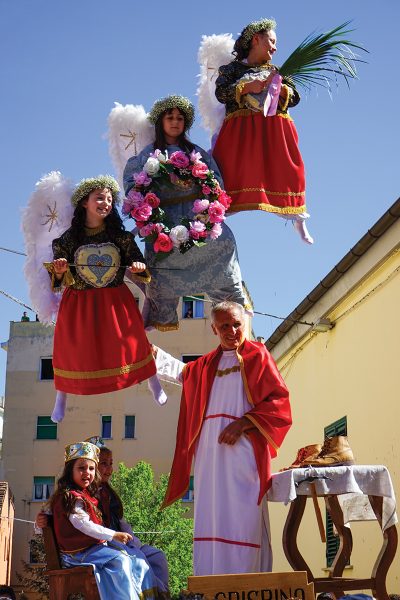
(255, 27)
(184, 105)
(86, 186)
(97, 441)
(81, 450)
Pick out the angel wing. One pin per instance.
(47, 215)
(214, 51)
(129, 131)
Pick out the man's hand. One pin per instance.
(123, 538)
(154, 350)
(233, 431)
(42, 520)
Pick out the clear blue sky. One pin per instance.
(64, 64)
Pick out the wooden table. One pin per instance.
(330, 483)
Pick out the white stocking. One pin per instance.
(59, 407)
(155, 387)
(301, 228)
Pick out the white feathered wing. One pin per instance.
(214, 51)
(129, 131)
(47, 216)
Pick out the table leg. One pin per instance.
(346, 540)
(289, 537)
(387, 553)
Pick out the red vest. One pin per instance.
(68, 537)
(270, 413)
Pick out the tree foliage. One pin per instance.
(33, 577)
(170, 529)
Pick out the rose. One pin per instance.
(200, 205)
(217, 212)
(197, 230)
(206, 189)
(216, 231)
(126, 207)
(200, 170)
(146, 230)
(142, 178)
(179, 159)
(163, 243)
(152, 199)
(224, 198)
(135, 198)
(162, 158)
(142, 212)
(195, 157)
(179, 235)
(152, 166)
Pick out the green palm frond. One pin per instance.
(320, 58)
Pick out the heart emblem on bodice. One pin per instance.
(98, 264)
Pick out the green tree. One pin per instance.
(33, 577)
(142, 496)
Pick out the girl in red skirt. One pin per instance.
(99, 342)
(258, 155)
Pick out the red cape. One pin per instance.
(271, 415)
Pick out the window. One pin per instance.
(43, 487)
(339, 427)
(46, 369)
(46, 429)
(106, 427)
(191, 308)
(189, 357)
(189, 496)
(130, 426)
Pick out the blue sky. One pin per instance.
(65, 63)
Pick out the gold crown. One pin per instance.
(97, 441)
(82, 450)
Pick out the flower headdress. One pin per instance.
(82, 450)
(252, 28)
(88, 185)
(169, 102)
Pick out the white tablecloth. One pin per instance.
(351, 484)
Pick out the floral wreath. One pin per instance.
(86, 186)
(255, 27)
(144, 205)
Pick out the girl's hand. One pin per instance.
(60, 266)
(257, 86)
(137, 267)
(123, 538)
(41, 520)
(154, 350)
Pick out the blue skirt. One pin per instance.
(119, 575)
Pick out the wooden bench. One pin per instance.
(66, 583)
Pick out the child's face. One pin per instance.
(173, 123)
(99, 203)
(83, 472)
(105, 466)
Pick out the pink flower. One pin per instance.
(200, 170)
(152, 199)
(158, 227)
(142, 178)
(142, 212)
(146, 230)
(135, 198)
(159, 155)
(195, 157)
(200, 205)
(126, 207)
(179, 159)
(217, 212)
(197, 230)
(163, 243)
(140, 224)
(206, 189)
(216, 231)
(224, 198)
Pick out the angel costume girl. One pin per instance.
(99, 342)
(258, 155)
(213, 268)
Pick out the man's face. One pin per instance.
(229, 326)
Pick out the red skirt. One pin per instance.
(99, 342)
(261, 164)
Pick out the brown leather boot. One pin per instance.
(304, 455)
(335, 452)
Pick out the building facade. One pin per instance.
(344, 380)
